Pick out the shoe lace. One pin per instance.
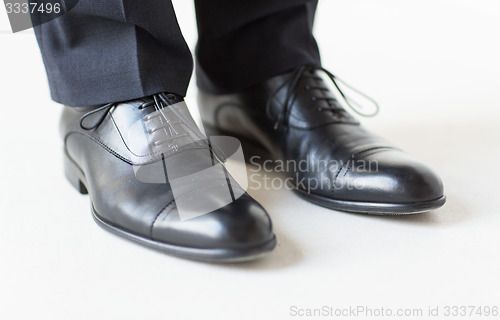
(159, 102)
(299, 73)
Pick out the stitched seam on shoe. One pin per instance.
(353, 123)
(377, 149)
(151, 154)
(99, 142)
(126, 145)
(107, 148)
(178, 197)
(157, 216)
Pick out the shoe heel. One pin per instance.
(74, 174)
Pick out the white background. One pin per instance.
(433, 66)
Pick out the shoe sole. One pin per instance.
(373, 208)
(252, 148)
(74, 174)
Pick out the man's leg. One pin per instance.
(261, 80)
(151, 175)
(114, 50)
(242, 43)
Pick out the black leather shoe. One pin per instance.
(113, 153)
(331, 160)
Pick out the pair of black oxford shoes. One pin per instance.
(140, 161)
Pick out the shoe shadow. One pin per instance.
(284, 255)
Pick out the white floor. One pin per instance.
(434, 68)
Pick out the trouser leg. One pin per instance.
(114, 50)
(245, 42)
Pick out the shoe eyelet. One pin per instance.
(319, 109)
(313, 99)
(307, 88)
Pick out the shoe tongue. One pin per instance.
(154, 132)
(171, 98)
(164, 132)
